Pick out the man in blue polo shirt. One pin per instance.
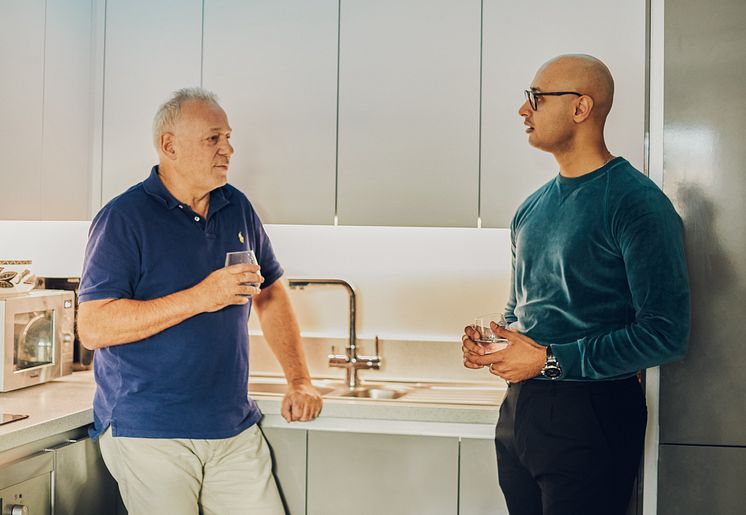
(177, 429)
(599, 291)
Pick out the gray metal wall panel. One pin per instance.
(704, 165)
(701, 480)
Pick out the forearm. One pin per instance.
(108, 322)
(657, 278)
(641, 344)
(281, 331)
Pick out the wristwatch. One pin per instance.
(551, 369)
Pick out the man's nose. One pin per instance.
(226, 148)
(525, 109)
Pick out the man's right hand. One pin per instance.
(224, 287)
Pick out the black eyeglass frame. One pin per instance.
(531, 96)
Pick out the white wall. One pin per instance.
(412, 283)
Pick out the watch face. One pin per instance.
(552, 372)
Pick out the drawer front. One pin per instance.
(34, 493)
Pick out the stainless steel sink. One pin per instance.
(282, 388)
(373, 392)
(485, 394)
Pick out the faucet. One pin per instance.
(351, 361)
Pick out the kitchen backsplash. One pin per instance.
(413, 284)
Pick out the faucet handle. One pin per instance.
(376, 343)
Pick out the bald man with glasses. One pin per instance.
(599, 292)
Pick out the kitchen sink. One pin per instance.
(373, 392)
(484, 394)
(274, 387)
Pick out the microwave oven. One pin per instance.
(36, 337)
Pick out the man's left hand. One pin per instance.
(302, 403)
(522, 359)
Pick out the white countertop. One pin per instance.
(66, 404)
(54, 407)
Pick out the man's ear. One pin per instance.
(167, 147)
(583, 108)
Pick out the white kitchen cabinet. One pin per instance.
(371, 474)
(45, 119)
(289, 465)
(409, 113)
(274, 67)
(21, 108)
(68, 93)
(518, 38)
(479, 491)
(152, 49)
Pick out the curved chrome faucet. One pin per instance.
(350, 361)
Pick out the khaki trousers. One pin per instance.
(230, 476)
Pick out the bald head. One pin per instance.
(582, 73)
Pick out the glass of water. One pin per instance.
(240, 257)
(486, 338)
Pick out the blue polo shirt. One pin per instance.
(190, 380)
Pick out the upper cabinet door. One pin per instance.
(67, 137)
(274, 67)
(518, 38)
(22, 93)
(152, 49)
(409, 112)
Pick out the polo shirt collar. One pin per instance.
(153, 186)
(218, 200)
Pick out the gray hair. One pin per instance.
(170, 110)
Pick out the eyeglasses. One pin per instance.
(532, 96)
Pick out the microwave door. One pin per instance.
(34, 339)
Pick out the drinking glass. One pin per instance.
(239, 257)
(486, 338)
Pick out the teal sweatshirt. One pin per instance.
(599, 273)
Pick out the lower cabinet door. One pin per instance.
(288, 448)
(479, 491)
(83, 485)
(376, 474)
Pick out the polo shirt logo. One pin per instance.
(240, 237)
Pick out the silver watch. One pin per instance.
(551, 368)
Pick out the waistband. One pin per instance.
(592, 386)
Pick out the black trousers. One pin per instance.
(570, 448)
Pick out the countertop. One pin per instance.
(66, 404)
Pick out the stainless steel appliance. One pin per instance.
(702, 460)
(36, 337)
(82, 357)
(26, 485)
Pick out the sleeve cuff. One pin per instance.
(569, 358)
(101, 294)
